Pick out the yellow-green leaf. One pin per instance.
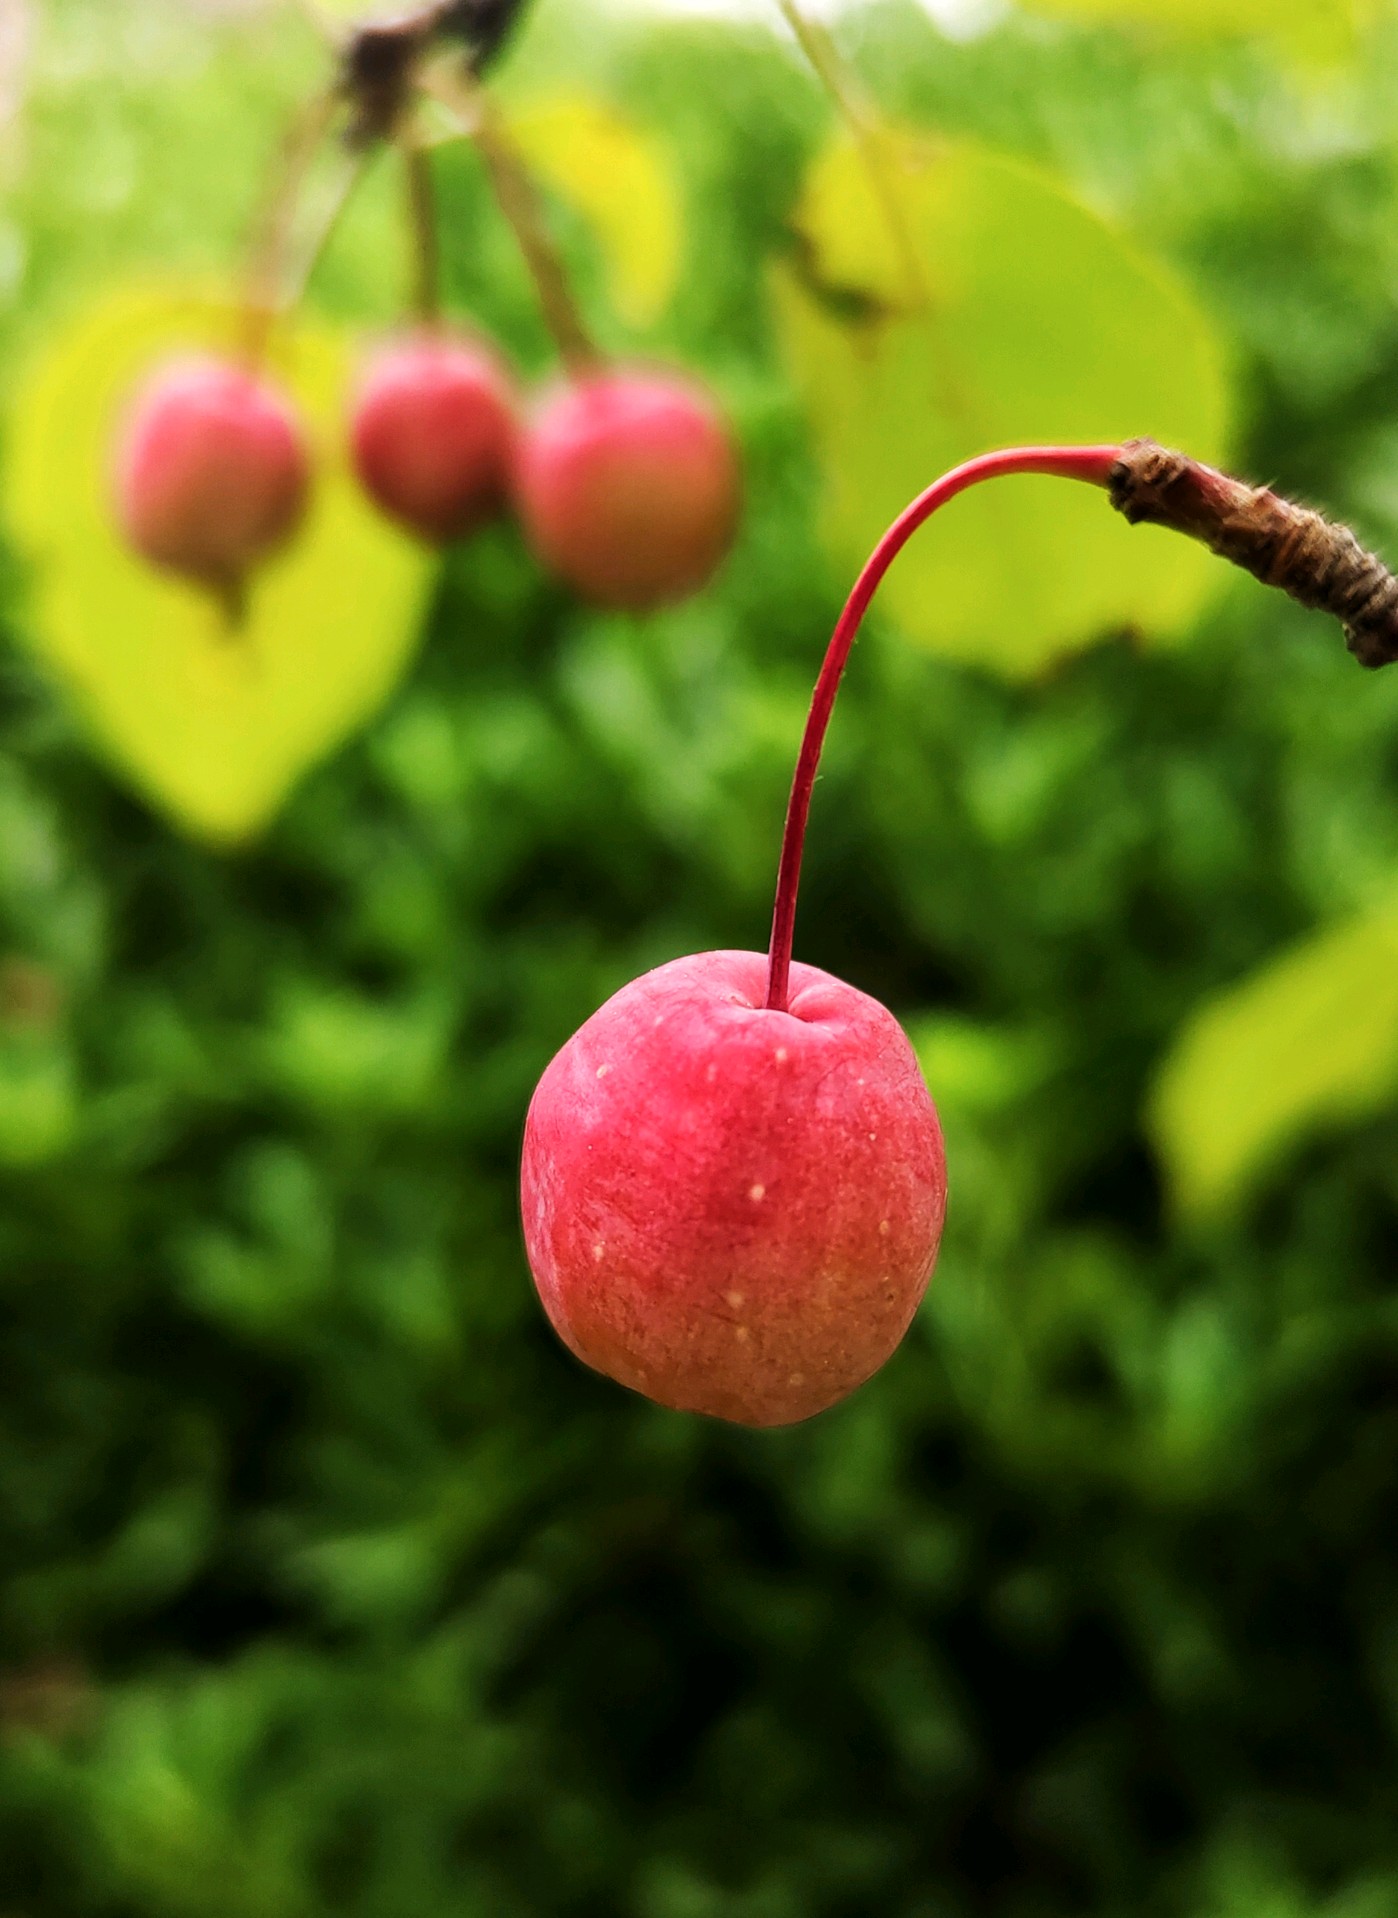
(622, 182)
(212, 724)
(992, 309)
(1318, 29)
(1309, 1041)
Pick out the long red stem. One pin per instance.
(1090, 463)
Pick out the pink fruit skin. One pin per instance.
(212, 473)
(628, 486)
(731, 1210)
(433, 435)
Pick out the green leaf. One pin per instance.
(38, 1100)
(213, 724)
(621, 181)
(1307, 1042)
(989, 310)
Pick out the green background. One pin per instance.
(328, 1582)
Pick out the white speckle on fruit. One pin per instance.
(883, 1228)
(740, 1333)
(756, 1192)
(781, 1055)
(872, 1137)
(602, 1071)
(735, 1299)
(598, 1252)
(796, 1378)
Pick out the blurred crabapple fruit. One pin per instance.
(628, 485)
(212, 473)
(433, 433)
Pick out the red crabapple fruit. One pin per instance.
(212, 472)
(730, 1209)
(628, 485)
(433, 433)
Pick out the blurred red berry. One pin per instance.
(212, 471)
(628, 486)
(433, 434)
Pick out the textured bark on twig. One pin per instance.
(1315, 560)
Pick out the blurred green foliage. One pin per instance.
(328, 1583)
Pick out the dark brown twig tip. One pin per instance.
(1316, 561)
(376, 74)
(379, 60)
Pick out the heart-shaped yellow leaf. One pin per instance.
(213, 723)
(972, 303)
